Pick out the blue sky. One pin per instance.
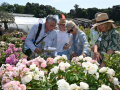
(66, 5)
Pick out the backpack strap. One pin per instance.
(39, 29)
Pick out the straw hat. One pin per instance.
(101, 19)
(62, 21)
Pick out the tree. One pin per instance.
(5, 18)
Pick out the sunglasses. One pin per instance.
(71, 30)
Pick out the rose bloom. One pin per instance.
(10, 68)
(103, 69)
(63, 85)
(74, 87)
(50, 60)
(115, 80)
(87, 59)
(92, 69)
(104, 87)
(43, 64)
(55, 69)
(23, 87)
(84, 85)
(111, 72)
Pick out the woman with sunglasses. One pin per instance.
(79, 42)
(62, 39)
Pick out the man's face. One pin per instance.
(50, 25)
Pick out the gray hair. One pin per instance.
(70, 24)
(50, 18)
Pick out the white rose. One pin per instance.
(104, 87)
(73, 87)
(67, 65)
(31, 73)
(115, 81)
(37, 69)
(61, 80)
(86, 65)
(28, 78)
(36, 77)
(56, 68)
(103, 69)
(111, 72)
(84, 85)
(41, 73)
(93, 69)
(61, 63)
(89, 59)
(23, 80)
(81, 57)
(64, 56)
(55, 59)
(97, 76)
(99, 88)
(63, 85)
(62, 67)
(33, 66)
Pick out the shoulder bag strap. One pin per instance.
(40, 40)
(39, 29)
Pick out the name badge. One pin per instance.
(99, 38)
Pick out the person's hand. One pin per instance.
(74, 54)
(84, 55)
(66, 46)
(97, 56)
(38, 50)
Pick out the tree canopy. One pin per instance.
(41, 11)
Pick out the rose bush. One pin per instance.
(57, 73)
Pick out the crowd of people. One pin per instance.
(69, 39)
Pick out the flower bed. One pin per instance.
(58, 74)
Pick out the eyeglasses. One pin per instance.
(71, 30)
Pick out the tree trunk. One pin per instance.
(5, 26)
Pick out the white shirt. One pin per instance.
(62, 39)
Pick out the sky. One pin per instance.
(67, 5)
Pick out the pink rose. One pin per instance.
(10, 68)
(36, 62)
(23, 87)
(50, 60)
(92, 61)
(43, 64)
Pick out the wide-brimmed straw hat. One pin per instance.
(101, 19)
(62, 21)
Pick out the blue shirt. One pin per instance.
(79, 44)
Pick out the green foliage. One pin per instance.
(114, 63)
(5, 37)
(2, 58)
(87, 32)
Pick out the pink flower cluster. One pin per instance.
(13, 54)
(9, 72)
(22, 38)
(50, 61)
(11, 59)
(40, 62)
(14, 85)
